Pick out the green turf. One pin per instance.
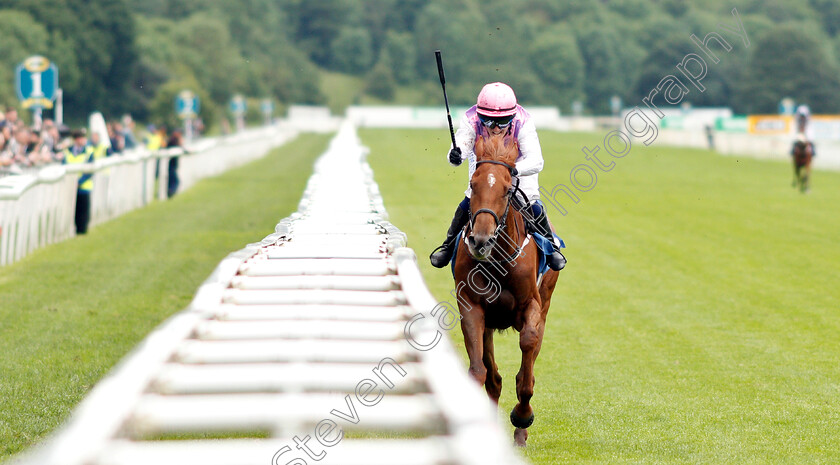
(697, 320)
(70, 311)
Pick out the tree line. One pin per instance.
(120, 56)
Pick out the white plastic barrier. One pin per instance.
(435, 117)
(121, 184)
(39, 210)
(771, 147)
(35, 211)
(312, 118)
(281, 337)
(692, 133)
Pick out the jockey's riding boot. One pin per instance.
(556, 261)
(443, 254)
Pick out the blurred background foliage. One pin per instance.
(120, 56)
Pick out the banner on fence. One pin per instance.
(732, 124)
(826, 127)
(770, 124)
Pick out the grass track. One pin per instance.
(70, 311)
(697, 320)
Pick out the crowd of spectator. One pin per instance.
(24, 148)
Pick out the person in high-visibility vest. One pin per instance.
(79, 153)
(156, 138)
(100, 148)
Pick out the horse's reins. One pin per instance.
(500, 222)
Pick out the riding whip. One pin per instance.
(445, 100)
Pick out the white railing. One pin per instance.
(37, 210)
(774, 147)
(289, 336)
(771, 147)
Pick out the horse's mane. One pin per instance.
(502, 148)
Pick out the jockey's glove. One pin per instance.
(455, 156)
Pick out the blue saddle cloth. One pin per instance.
(544, 249)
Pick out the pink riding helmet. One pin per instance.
(496, 99)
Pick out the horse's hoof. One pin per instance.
(520, 436)
(520, 422)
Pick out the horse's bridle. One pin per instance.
(500, 222)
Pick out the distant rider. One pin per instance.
(804, 132)
(803, 144)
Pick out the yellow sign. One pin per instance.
(770, 124)
(36, 64)
(819, 126)
(37, 102)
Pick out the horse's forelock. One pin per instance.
(501, 148)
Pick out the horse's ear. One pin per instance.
(479, 146)
(511, 144)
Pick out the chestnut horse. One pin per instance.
(496, 278)
(803, 152)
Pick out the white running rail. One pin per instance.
(298, 339)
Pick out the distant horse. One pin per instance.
(496, 278)
(803, 152)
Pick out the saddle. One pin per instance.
(800, 152)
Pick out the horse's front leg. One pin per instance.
(530, 341)
(472, 326)
(493, 383)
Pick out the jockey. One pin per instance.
(496, 111)
(803, 130)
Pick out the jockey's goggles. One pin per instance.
(500, 121)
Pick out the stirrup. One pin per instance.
(439, 249)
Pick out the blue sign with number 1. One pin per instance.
(187, 104)
(238, 105)
(36, 81)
